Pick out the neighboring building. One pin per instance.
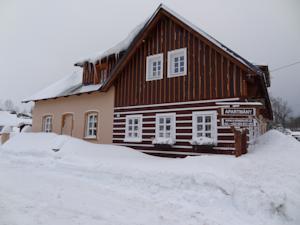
(13, 121)
(169, 89)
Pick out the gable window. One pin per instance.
(165, 129)
(133, 129)
(154, 68)
(177, 62)
(205, 127)
(91, 125)
(47, 124)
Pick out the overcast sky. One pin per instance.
(41, 40)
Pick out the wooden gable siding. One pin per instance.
(210, 73)
(92, 72)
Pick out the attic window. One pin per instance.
(154, 68)
(177, 62)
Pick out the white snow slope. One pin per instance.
(91, 184)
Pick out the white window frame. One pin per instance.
(213, 124)
(149, 66)
(93, 128)
(129, 138)
(171, 58)
(172, 116)
(47, 124)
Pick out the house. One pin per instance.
(12, 122)
(168, 89)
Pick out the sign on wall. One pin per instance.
(238, 111)
(238, 122)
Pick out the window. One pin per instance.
(91, 125)
(133, 130)
(47, 124)
(177, 62)
(154, 69)
(205, 125)
(165, 130)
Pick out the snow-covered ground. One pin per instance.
(90, 184)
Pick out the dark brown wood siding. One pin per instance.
(98, 72)
(211, 74)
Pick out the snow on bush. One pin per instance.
(86, 183)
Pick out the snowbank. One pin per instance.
(86, 183)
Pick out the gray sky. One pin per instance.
(41, 40)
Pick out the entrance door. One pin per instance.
(67, 124)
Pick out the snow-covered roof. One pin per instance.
(69, 85)
(121, 46)
(9, 119)
(124, 45)
(72, 85)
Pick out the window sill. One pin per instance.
(152, 79)
(90, 138)
(132, 140)
(177, 75)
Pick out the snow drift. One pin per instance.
(85, 183)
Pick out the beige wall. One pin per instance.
(101, 102)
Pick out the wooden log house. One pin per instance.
(176, 90)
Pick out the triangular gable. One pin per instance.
(162, 10)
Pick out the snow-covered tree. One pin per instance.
(281, 111)
(9, 105)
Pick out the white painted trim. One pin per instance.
(224, 148)
(213, 124)
(184, 121)
(119, 133)
(140, 128)
(119, 128)
(149, 60)
(178, 103)
(119, 118)
(225, 134)
(172, 117)
(240, 103)
(148, 128)
(170, 110)
(119, 123)
(171, 54)
(226, 141)
(87, 123)
(149, 122)
(177, 128)
(183, 115)
(45, 123)
(148, 117)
